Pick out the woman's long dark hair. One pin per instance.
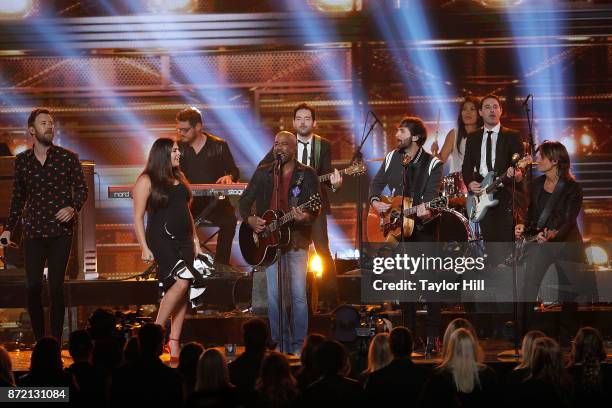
(162, 174)
(589, 351)
(461, 132)
(557, 152)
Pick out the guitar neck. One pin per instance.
(413, 210)
(290, 215)
(326, 177)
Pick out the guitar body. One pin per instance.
(477, 204)
(385, 227)
(260, 249)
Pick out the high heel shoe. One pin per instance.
(168, 349)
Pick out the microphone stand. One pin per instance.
(517, 333)
(279, 264)
(358, 157)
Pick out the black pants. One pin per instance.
(329, 281)
(428, 232)
(497, 224)
(55, 253)
(539, 258)
(224, 217)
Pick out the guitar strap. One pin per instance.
(317, 152)
(550, 204)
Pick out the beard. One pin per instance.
(304, 131)
(45, 139)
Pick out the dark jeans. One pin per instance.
(224, 217)
(54, 252)
(329, 281)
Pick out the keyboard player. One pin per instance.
(207, 159)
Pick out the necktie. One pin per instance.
(304, 153)
(489, 162)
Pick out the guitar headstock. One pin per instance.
(314, 202)
(356, 169)
(525, 161)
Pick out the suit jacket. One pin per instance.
(508, 142)
(322, 166)
(402, 376)
(332, 391)
(259, 192)
(564, 213)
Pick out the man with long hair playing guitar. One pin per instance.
(412, 173)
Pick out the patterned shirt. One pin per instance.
(40, 191)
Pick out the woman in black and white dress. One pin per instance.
(162, 192)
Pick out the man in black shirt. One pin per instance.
(48, 191)
(206, 159)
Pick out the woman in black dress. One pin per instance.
(163, 193)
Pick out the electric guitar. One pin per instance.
(478, 204)
(386, 227)
(259, 249)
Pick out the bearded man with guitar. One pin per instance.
(299, 199)
(409, 171)
(555, 202)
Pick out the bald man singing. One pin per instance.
(297, 183)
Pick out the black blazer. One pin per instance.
(400, 376)
(321, 166)
(508, 142)
(564, 213)
(332, 391)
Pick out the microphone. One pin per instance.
(278, 157)
(530, 96)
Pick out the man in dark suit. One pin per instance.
(401, 375)
(488, 149)
(315, 151)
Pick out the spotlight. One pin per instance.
(171, 6)
(596, 255)
(15, 9)
(586, 140)
(316, 266)
(335, 6)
